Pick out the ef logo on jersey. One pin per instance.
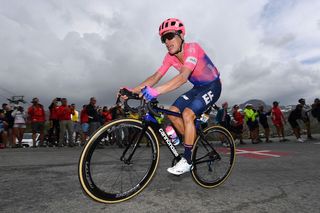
(208, 97)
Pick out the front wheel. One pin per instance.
(213, 157)
(118, 161)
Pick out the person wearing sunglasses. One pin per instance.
(194, 65)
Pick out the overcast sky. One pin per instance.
(264, 49)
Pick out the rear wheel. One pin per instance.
(213, 157)
(106, 172)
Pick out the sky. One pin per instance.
(264, 49)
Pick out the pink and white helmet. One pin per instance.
(171, 24)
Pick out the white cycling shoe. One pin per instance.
(181, 167)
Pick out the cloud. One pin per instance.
(78, 49)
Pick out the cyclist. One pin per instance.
(194, 65)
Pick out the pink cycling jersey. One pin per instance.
(195, 59)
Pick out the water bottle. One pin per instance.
(172, 135)
(204, 118)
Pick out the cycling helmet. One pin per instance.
(172, 24)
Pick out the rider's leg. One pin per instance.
(190, 132)
(184, 165)
(176, 121)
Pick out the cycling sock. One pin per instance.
(187, 153)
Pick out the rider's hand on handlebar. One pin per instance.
(149, 93)
(124, 96)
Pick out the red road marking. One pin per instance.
(259, 154)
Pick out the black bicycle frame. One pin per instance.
(157, 127)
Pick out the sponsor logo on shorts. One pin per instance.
(185, 97)
(208, 97)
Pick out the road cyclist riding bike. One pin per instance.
(117, 173)
(194, 65)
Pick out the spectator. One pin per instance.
(117, 112)
(84, 119)
(278, 119)
(292, 119)
(76, 123)
(237, 124)
(222, 117)
(3, 133)
(54, 130)
(250, 116)
(100, 116)
(315, 111)
(305, 117)
(37, 118)
(92, 112)
(19, 125)
(66, 125)
(263, 120)
(106, 114)
(10, 121)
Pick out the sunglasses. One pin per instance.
(168, 36)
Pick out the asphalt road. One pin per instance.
(277, 177)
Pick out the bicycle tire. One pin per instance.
(208, 170)
(99, 168)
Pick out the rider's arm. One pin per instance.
(176, 82)
(150, 81)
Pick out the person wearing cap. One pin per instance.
(278, 120)
(36, 115)
(305, 117)
(250, 116)
(237, 124)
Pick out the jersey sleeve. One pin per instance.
(192, 56)
(166, 64)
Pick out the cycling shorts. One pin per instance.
(199, 98)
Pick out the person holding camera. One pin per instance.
(19, 125)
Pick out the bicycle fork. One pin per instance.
(136, 144)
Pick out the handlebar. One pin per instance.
(151, 105)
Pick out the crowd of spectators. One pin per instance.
(65, 127)
(68, 127)
(256, 117)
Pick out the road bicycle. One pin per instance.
(121, 157)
